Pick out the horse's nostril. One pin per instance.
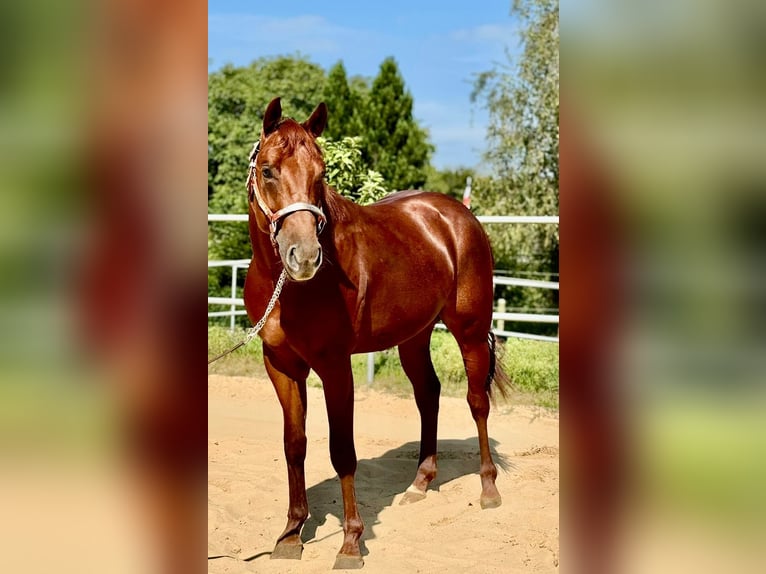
(292, 258)
(318, 260)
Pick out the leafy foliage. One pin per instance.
(347, 173)
(237, 98)
(523, 102)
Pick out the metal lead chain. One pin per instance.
(253, 331)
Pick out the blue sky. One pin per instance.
(439, 47)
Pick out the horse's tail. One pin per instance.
(497, 375)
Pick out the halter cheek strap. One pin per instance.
(275, 218)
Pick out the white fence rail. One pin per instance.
(481, 218)
(500, 316)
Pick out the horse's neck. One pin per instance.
(265, 257)
(340, 209)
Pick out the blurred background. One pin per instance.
(102, 164)
(102, 413)
(663, 209)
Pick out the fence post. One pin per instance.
(370, 367)
(467, 193)
(233, 295)
(501, 309)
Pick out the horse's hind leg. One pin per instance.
(415, 357)
(476, 357)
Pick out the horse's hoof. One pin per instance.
(348, 562)
(412, 494)
(286, 551)
(490, 502)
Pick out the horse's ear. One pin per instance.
(272, 116)
(317, 122)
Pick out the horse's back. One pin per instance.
(397, 196)
(435, 225)
(436, 215)
(412, 202)
(402, 197)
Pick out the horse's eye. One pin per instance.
(266, 172)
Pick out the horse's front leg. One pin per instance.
(338, 385)
(291, 390)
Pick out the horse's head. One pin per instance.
(286, 186)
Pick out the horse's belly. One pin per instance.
(394, 324)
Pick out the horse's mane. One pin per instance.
(336, 206)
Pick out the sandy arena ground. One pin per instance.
(447, 532)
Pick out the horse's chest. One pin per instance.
(315, 324)
(282, 329)
(272, 333)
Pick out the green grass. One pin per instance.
(247, 360)
(533, 366)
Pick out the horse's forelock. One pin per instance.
(289, 135)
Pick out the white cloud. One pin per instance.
(487, 34)
(258, 35)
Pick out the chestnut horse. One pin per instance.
(360, 279)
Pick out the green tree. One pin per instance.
(343, 105)
(392, 141)
(523, 103)
(522, 98)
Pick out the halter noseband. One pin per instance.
(275, 217)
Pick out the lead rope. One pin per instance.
(252, 333)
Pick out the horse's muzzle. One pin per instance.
(301, 261)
